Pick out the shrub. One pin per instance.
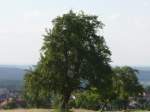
(87, 100)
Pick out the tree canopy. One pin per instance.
(73, 52)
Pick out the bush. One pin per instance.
(11, 105)
(87, 100)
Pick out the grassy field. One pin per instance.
(26, 110)
(47, 110)
(41, 110)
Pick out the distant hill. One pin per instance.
(11, 76)
(144, 75)
(11, 73)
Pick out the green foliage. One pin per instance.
(89, 99)
(126, 84)
(34, 95)
(126, 81)
(74, 59)
(73, 51)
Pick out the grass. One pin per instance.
(42, 110)
(26, 110)
(48, 110)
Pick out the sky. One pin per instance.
(126, 31)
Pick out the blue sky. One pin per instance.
(22, 24)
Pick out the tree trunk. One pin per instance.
(102, 109)
(65, 101)
(125, 104)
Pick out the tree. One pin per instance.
(126, 84)
(74, 52)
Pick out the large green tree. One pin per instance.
(74, 54)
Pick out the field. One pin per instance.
(47, 110)
(41, 110)
(26, 110)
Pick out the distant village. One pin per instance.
(10, 96)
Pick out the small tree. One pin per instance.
(74, 52)
(126, 84)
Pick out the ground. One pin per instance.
(26, 110)
(40, 110)
(46, 110)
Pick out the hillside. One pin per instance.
(11, 73)
(144, 75)
(11, 76)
